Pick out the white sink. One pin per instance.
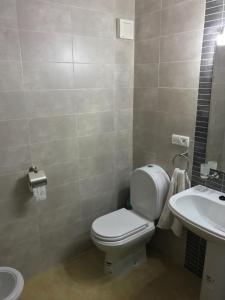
(201, 211)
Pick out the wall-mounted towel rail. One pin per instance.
(185, 157)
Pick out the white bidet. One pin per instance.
(11, 284)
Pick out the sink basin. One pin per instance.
(200, 210)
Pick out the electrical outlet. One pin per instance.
(180, 140)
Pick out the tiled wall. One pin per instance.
(214, 20)
(66, 89)
(167, 63)
(195, 254)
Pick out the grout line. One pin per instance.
(200, 30)
(58, 4)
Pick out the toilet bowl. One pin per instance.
(11, 284)
(123, 234)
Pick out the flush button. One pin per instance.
(222, 198)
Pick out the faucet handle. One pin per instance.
(209, 172)
(33, 169)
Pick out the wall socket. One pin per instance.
(180, 140)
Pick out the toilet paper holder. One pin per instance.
(36, 178)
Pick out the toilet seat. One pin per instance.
(120, 225)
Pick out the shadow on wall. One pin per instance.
(122, 197)
(21, 197)
(166, 242)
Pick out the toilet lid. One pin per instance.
(118, 225)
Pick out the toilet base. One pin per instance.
(123, 262)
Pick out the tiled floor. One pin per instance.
(83, 279)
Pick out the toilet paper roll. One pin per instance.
(40, 193)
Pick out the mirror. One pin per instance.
(216, 130)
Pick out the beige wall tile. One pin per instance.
(93, 76)
(95, 123)
(12, 106)
(124, 76)
(178, 101)
(124, 52)
(8, 14)
(13, 133)
(101, 5)
(148, 26)
(50, 76)
(89, 167)
(99, 24)
(96, 185)
(146, 98)
(124, 9)
(185, 16)
(9, 44)
(50, 103)
(15, 200)
(59, 197)
(167, 3)
(147, 51)
(93, 50)
(45, 154)
(146, 75)
(124, 98)
(46, 47)
(10, 76)
(146, 6)
(184, 46)
(94, 100)
(94, 145)
(53, 128)
(180, 74)
(60, 174)
(124, 119)
(40, 15)
(14, 159)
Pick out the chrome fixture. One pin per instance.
(183, 155)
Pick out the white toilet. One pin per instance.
(123, 234)
(11, 284)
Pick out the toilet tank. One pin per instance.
(149, 186)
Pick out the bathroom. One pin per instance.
(97, 97)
